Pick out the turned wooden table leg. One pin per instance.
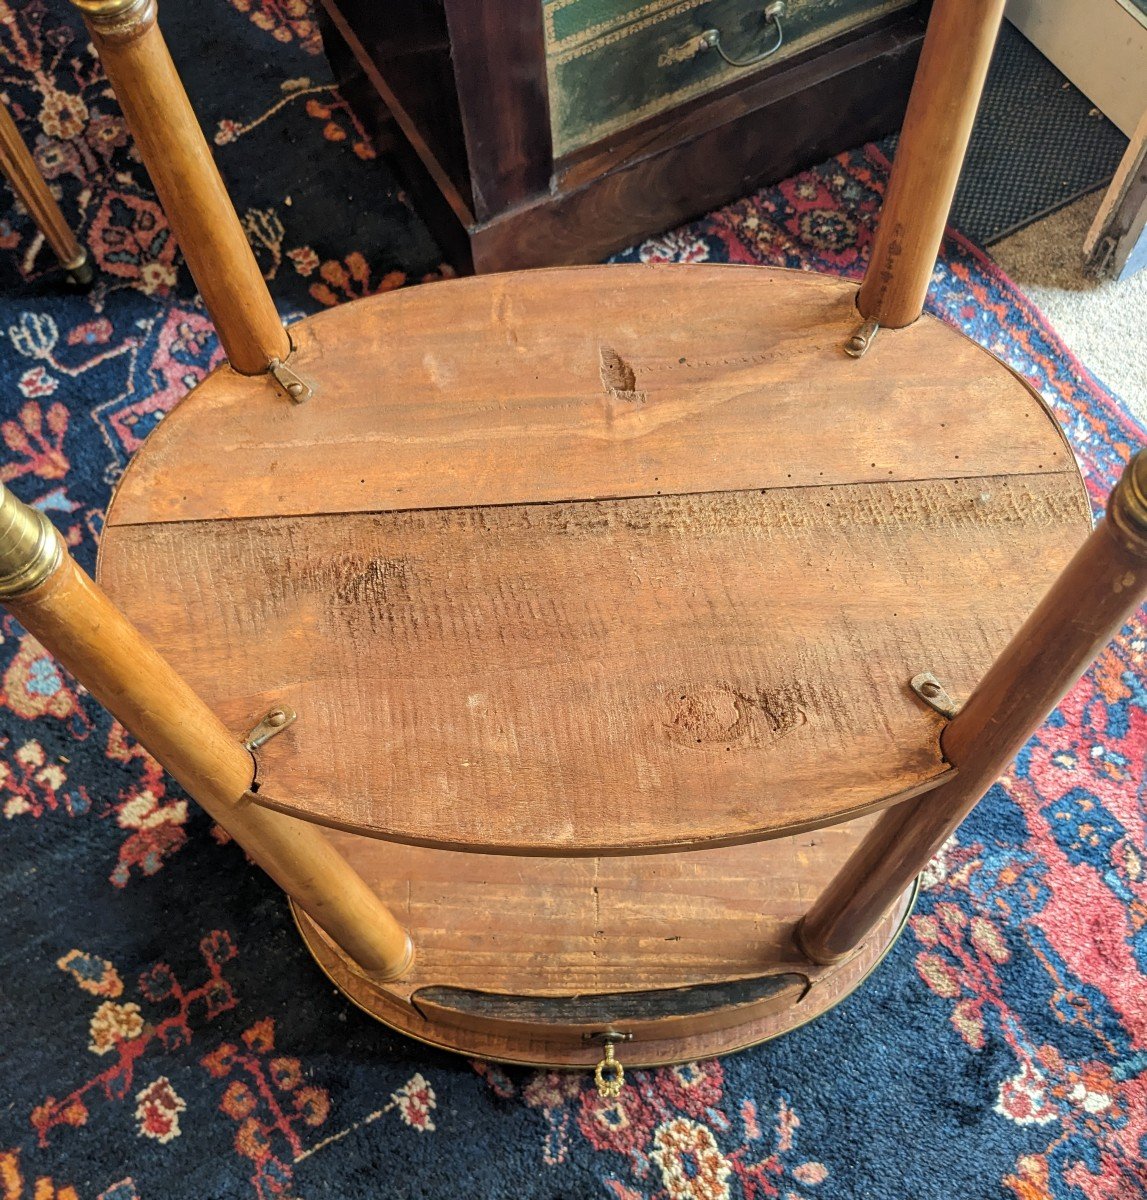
(19, 166)
(72, 617)
(1085, 607)
(937, 125)
(178, 159)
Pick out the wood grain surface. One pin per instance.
(486, 655)
(515, 389)
(621, 942)
(1085, 607)
(572, 677)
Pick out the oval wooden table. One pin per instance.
(597, 593)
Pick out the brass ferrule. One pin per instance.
(118, 20)
(30, 547)
(1127, 505)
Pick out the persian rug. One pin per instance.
(164, 1034)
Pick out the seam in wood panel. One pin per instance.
(610, 499)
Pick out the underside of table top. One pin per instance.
(596, 560)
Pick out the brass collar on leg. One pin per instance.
(30, 547)
(118, 20)
(1127, 505)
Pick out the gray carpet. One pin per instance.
(1104, 324)
(1038, 145)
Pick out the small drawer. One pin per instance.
(612, 63)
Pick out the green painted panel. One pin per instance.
(612, 63)
(575, 20)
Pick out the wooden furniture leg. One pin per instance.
(1086, 606)
(136, 59)
(20, 168)
(60, 605)
(933, 141)
(1116, 243)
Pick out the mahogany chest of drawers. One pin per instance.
(536, 132)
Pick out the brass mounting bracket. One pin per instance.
(296, 387)
(273, 722)
(861, 339)
(934, 694)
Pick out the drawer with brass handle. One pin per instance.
(612, 63)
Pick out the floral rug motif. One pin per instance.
(165, 1034)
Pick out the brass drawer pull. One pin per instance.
(609, 1074)
(711, 38)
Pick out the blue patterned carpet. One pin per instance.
(163, 1032)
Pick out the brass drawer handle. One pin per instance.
(711, 38)
(609, 1075)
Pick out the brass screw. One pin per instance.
(277, 719)
(930, 689)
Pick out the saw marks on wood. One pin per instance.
(615, 558)
(616, 675)
(586, 383)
